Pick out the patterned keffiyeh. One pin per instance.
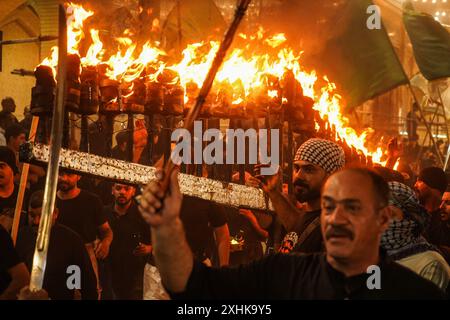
(326, 154)
(403, 238)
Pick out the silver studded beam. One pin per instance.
(229, 194)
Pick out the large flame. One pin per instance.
(246, 70)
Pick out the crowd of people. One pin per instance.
(131, 242)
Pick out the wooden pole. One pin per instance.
(207, 84)
(23, 184)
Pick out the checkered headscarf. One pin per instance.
(403, 238)
(404, 198)
(324, 153)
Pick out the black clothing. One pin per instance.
(242, 230)
(438, 233)
(66, 248)
(127, 270)
(304, 276)
(8, 206)
(26, 124)
(101, 187)
(199, 218)
(98, 139)
(7, 119)
(8, 258)
(314, 242)
(118, 154)
(83, 214)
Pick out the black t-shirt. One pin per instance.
(83, 214)
(438, 232)
(305, 277)
(199, 218)
(98, 139)
(241, 229)
(314, 242)
(8, 258)
(8, 205)
(66, 248)
(126, 269)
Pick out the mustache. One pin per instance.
(300, 183)
(338, 231)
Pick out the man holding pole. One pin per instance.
(8, 189)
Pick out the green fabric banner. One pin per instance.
(192, 21)
(338, 43)
(431, 44)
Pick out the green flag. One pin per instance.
(192, 21)
(338, 43)
(431, 44)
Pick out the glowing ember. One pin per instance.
(246, 72)
(397, 163)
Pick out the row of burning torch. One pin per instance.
(90, 91)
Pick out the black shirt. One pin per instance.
(438, 232)
(199, 218)
(303, 276)
(8, 205)
(314, 242)
(126, 269)
(83, 214)
(66, 248)
(241, 229)
(8, 258)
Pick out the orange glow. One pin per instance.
(245, 72)
(397, 163)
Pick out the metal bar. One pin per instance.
(447, 158)
(444, 113)
(426, 125)
(109, 133)
(43, 237)
(23, 72)
(84, 140)
(151, 136)
(130, 142)
(229, 194)
(28, 40)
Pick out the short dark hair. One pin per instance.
(13, 131)
(122, 136)
(380, 186)
(388, 174)
(434, 177)
(7, 101)
(36, 199)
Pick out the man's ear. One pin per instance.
(385, 216)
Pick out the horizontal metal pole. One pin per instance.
(28, 40)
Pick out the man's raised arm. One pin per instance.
(172, 254)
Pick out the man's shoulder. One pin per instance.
(304, 261)
(87, 194)
(66, 232)
(408, 284)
